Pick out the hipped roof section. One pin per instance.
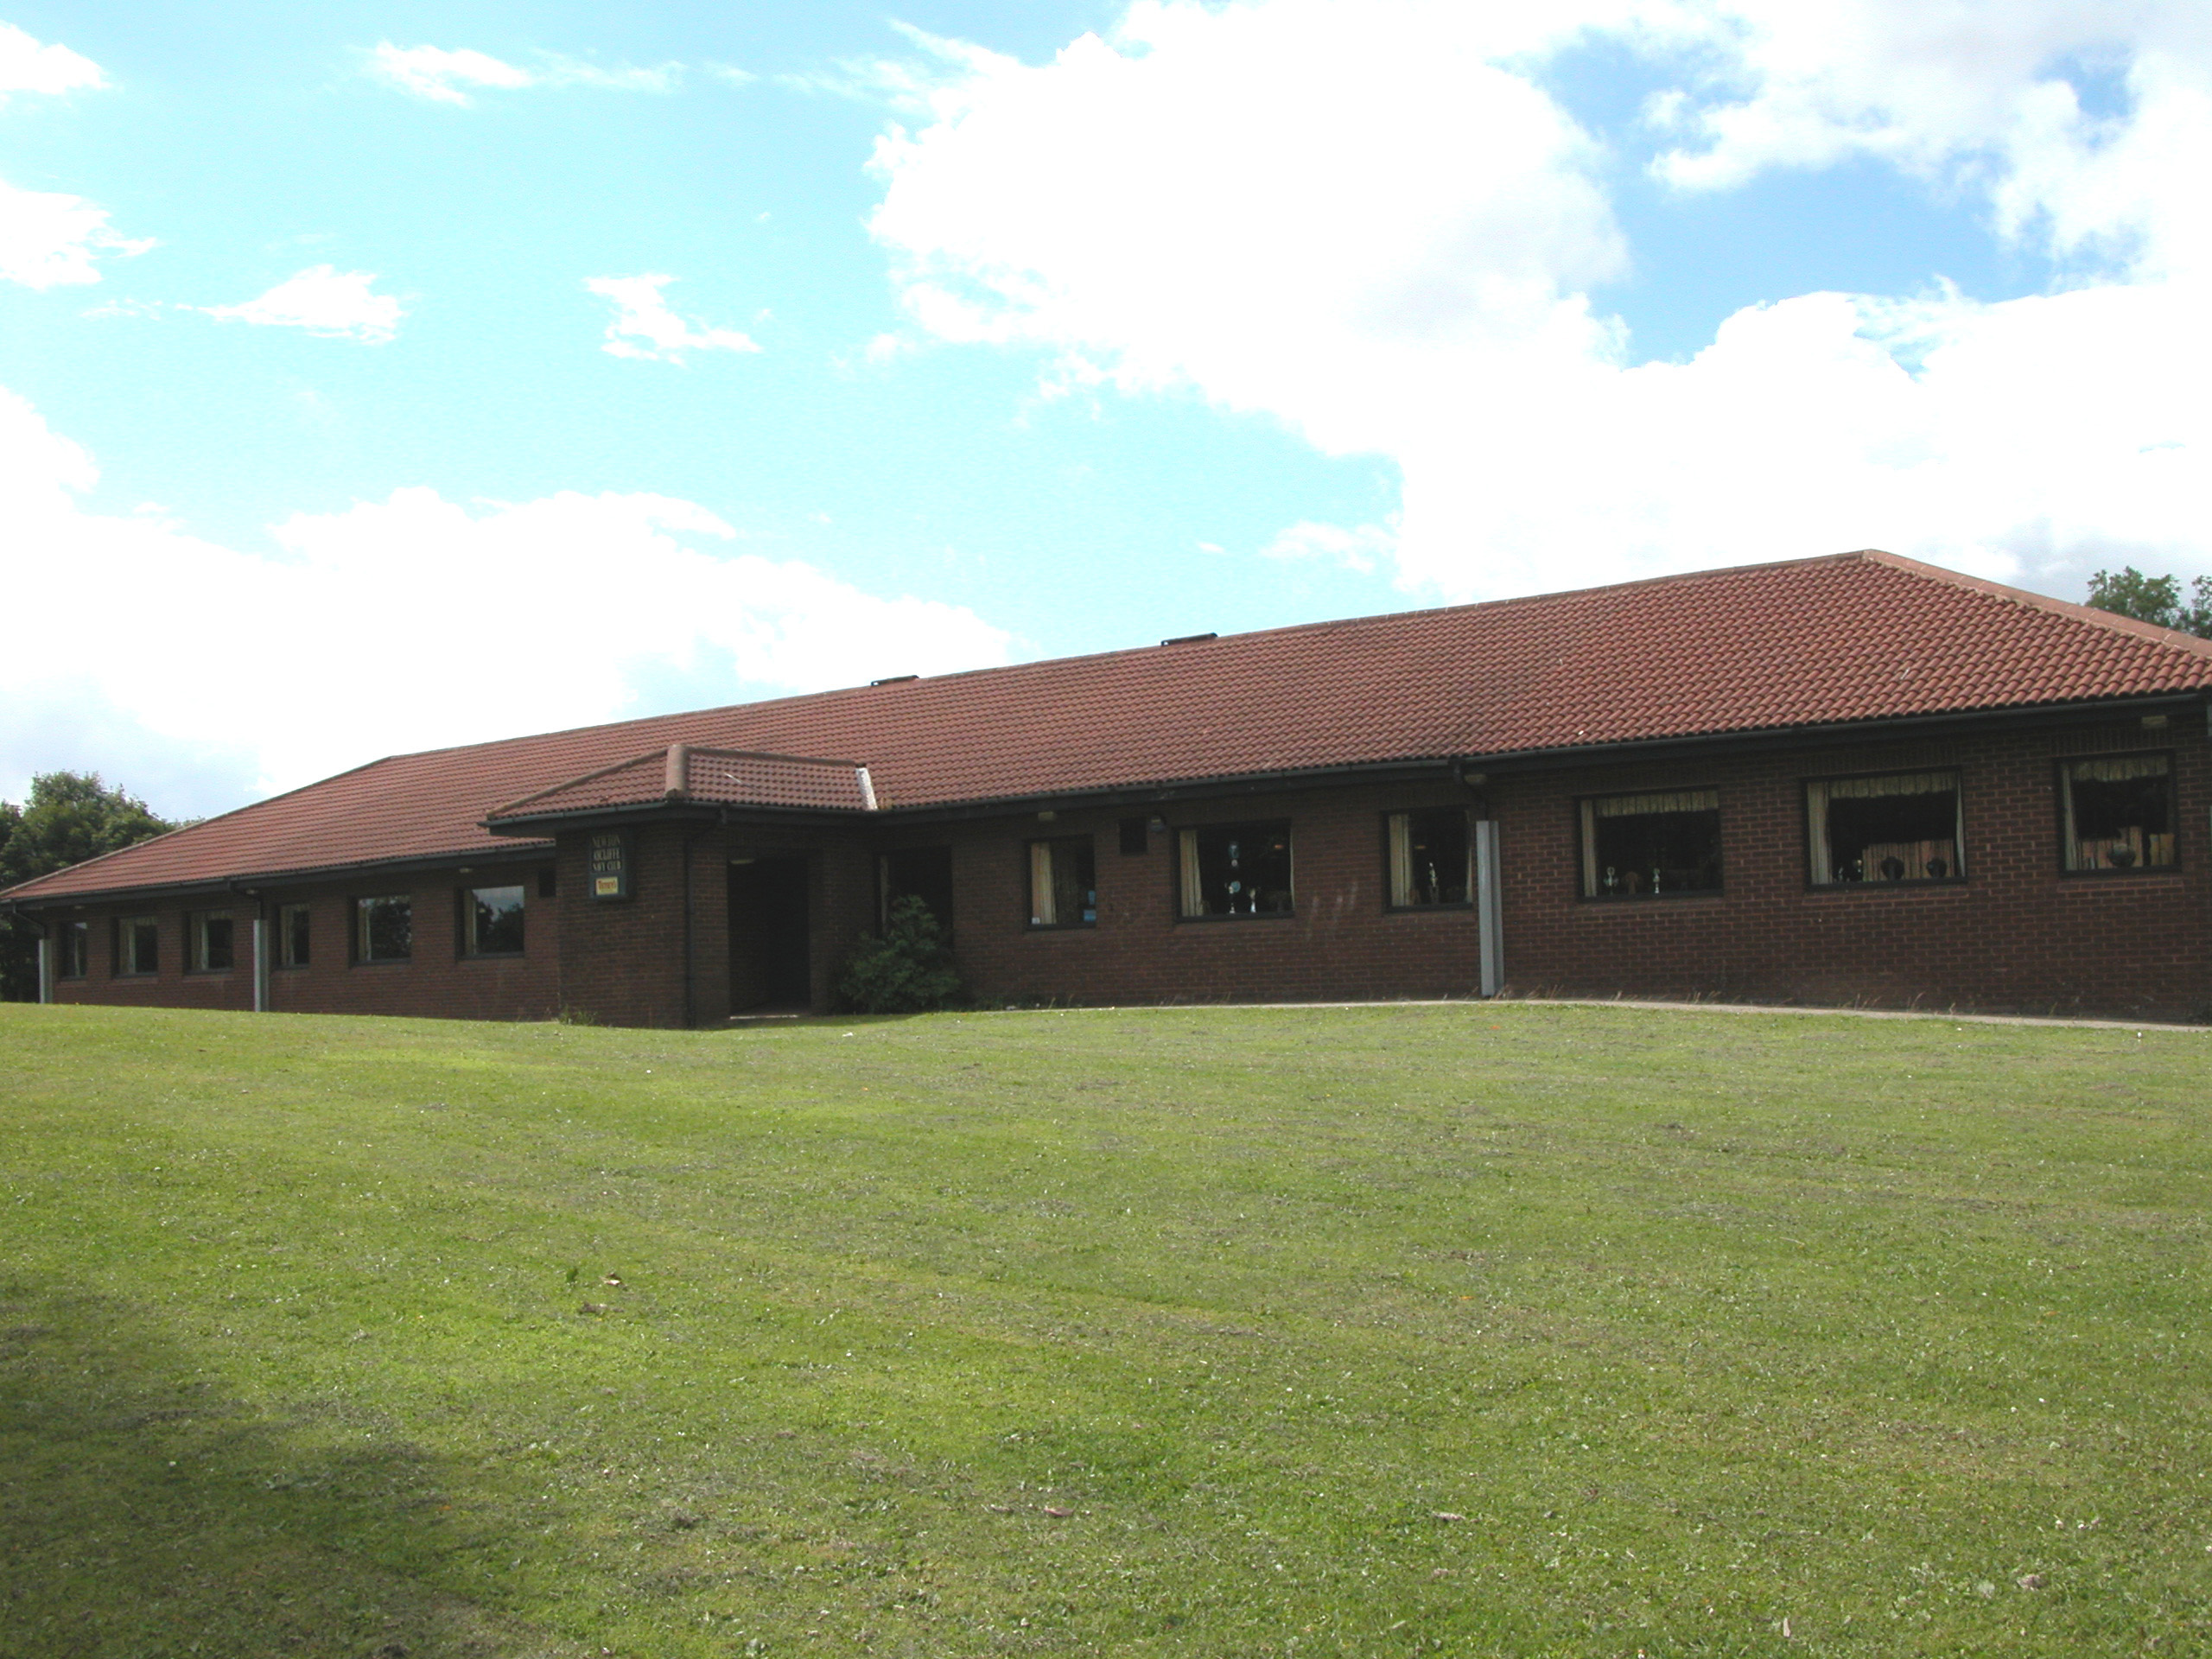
(681, 773)
(1854, 637)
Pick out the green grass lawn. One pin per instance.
(1483, 1329)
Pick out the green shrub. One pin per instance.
(907, 971)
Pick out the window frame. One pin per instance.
(2062, 784)
(471, 949)
(76, 953)
(285, 960)
(195, 942)
(1958, 878)
(1089, 842)
(1185, 848)
(360, 910)
(1584, 832)
(126, 952)
(1391, 906)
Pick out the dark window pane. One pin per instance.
(1886, 830)
(1237, 869)
(926, 873)
(387, 930)
(1064, 882)
(292, 923)
(2122, 813)
(141, 942)
(1133, 839)
(495, 921)
(215, 943)
(1428, 857)
(1648, 846)
(76, 950)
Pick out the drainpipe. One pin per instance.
(260, 946)
(1489, 893)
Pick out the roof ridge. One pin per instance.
(2094, 614)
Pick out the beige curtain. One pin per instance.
(1192, 894)
(1680, 800)
(1818, 795)
(1043, 913)
(1902, 782)
(1401, 858)
(2119, 769)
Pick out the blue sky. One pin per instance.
(966, 333)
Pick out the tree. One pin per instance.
(2155, 600)
(70, 817)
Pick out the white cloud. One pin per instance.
(644, 327)
(27, 67)
(323, 301)
(280, 669)
(51, 239)
(447, 77)
(1373, 222)
(1359, 546)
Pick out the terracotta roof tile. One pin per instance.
(1854, 637)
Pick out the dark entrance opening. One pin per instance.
(925, 872)
(769, 963)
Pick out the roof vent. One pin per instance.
(1189, 638)
(895, 679)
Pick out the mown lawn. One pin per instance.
(1474, 1330)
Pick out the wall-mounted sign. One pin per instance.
(610, 864)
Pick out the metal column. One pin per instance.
(1489, 921)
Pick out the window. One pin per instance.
(1650, 846)
(1235, 869)
(491, 921)
(1063, 882)
(1135, 840)
(75, 944)
(138, 945)
(383, 929)
(1429, 858)
(2119, 812)
(292, 936)
(213, 937)
(1904, 827)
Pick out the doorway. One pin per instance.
(770, 962)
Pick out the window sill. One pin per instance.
(1949, 884)
(1611, 900)
(1457, 907)
(1242, 916)
(2169, 870)
(209, 973)
(495, 956)
(388, 961)
(1061, 927)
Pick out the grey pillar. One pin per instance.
(1489, 893)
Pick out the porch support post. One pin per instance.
(46, 967)
(261, 959)
(1489, 891)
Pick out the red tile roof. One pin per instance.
(1854, 637)
(718, 777)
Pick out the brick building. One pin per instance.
(1855, 778)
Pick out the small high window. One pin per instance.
(1650, 846)
(2119, 812)
(383, 929)
(1063, 882)
(75, 948)
(1904, 827)
(1235, 869)
(292, 936)
(1429, 858)
(214, 940)
(138, 945)
(491, 921)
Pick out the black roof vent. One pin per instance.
(895, 679)
(1189, 638)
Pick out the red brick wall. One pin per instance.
(2015, 935)
(436, 980)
